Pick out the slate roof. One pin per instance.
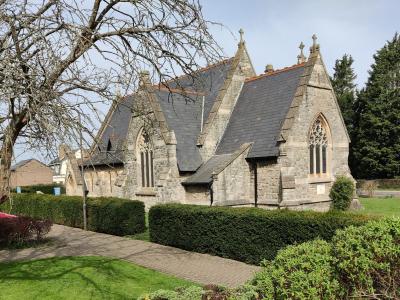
(260, 111)
(183, 110)
(117, 127)
(215, 164)
(181, 105)
(106, 158)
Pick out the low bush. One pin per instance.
(18, 230)
(108, 215)
(342, 193)
(209, 292)
(359, 263)
(245, 234)
(44, 188)
(368, 259)
(301, 271)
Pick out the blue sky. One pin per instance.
(274, 30)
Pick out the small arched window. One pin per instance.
(318, 147)
(145, 160)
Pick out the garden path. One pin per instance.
(200, 268)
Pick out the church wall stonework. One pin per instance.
(268, 183)
(310, 191)
(100, 182)
(198, 195)
(234, 185)
(167, 180)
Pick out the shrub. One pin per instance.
(342, 193)
(301, 272)
(368, 259)
(192, 293)
(17, 230)
(245, 234)
(44, 188)
(109, 215)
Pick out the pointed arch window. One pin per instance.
(318, 147)
(145, 160)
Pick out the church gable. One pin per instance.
(259, 113)
(186, 105)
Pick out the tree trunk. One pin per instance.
(6, 153)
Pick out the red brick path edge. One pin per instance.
(200, 268)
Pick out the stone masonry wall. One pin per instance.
(234, 185)
(168, 186)
(300, 189)
(268, 183)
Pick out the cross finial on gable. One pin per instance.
(241, 32)
(301, 58)
(314, 37)
(315, 46)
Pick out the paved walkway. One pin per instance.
(201, 268)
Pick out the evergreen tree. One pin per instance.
(376, 146)
(345, 89)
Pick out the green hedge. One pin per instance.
(245, 234)
(109, 215)
(44, 188)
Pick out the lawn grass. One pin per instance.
(388, 207)
(90, 277)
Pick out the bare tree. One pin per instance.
(59, 58)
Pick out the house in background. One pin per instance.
(30, 172)
(59, 165)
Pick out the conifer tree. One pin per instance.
(376, 146)
(345, 89)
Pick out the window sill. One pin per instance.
(146, 192)
(319, 179)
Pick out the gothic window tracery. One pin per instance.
(145, 160)
(318, 147)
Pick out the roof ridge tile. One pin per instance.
(278, 71)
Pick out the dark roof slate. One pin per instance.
(204, 174)
(105, 158)
(216, 164)
(259, 113)
(182, 110)
(116, 129)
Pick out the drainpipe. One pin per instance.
(202, 114)
(211, 194)
(255, 184)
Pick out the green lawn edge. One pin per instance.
(81, 277)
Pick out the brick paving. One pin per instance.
(200, 268)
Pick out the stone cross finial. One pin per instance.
(315, 46)
(314, 37)
(301, 47)
(301, 58)
(241, 32)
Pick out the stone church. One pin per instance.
(223, 136)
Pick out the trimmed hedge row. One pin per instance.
(245, 234)
(108, 215)
(44, 188)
